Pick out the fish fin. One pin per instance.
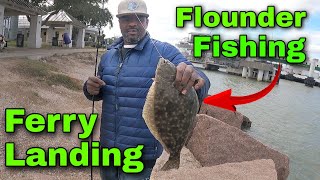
(172, 163)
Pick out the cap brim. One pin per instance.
(125, 14)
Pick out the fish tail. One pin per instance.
(172, 163)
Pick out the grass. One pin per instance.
(44, 72)
(32, 68)
(11, 43)
(64, 80)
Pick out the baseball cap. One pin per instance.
(126, 7)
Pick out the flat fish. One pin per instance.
(170, 115)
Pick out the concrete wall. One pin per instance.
(1, 19)
(13, 28)
(48, 39)
(34, 39)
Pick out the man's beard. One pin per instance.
(133, 39)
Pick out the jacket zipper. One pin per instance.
(116, 94)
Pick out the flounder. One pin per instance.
(170, 115)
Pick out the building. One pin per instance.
(21, 7)
(57, 25)
(36, 32)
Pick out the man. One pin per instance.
(124, 78)
(2, 42)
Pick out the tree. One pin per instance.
(89, 12)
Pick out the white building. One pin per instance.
(52, 30)
(303, 72)
(16, 8)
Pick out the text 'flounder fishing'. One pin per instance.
(168, 113)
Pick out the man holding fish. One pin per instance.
(125, 74)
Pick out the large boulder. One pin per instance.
(214, 142)
(235, 119)
(263, 169)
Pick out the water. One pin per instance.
(287, 119)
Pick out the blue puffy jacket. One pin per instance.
(128, 82)
(66, 38)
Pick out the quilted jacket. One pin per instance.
(127, 83)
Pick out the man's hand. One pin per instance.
(187, 77)
(94, 84)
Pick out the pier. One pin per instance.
(260, 70)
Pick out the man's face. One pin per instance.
(132, 29)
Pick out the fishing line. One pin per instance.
(149, 35)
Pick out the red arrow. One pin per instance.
(226, 101)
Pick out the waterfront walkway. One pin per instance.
(41, 52)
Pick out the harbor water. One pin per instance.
(287, 119)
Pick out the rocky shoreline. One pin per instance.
(219, 149)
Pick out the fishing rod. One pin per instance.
(95, 74)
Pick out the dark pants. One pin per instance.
(116, 173)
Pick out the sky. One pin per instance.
(162, 20)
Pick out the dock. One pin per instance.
(260, 70)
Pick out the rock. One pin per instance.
(214, 142)
(290, 77)
(309, 81)
(263, 169)
(246, 124)
(235, 119)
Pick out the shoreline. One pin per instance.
(310, 82)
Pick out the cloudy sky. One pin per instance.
(162, 20)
